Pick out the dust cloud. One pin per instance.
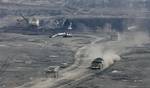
(110, 51)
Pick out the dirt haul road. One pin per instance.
(109, 51)
(79, 70)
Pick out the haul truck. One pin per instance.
(97, 63)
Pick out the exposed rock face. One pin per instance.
(35, 2)
(84, 3)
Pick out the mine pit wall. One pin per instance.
(88, 24)
(98, 24)
(117, 24)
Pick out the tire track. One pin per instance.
(83, 65)
(78, 71)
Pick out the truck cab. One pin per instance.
(97, 63)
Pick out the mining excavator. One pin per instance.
(31, 22)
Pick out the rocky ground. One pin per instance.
(131, 72)
(24, 58)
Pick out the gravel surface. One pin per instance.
(24, 58)
(131, 72)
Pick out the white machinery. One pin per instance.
(61, 34)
